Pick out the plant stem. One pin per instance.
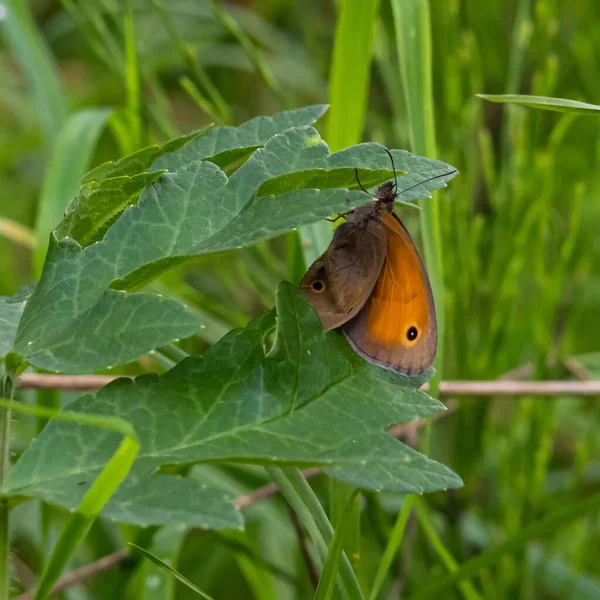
(7, 386)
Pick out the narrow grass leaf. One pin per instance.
(392, 547)
(216, 107)
(134, 106)
(413, 38)
(71, 154)
(350, 71)
(544, 102)
(348, 94)
(30, 49)
(171, 571)
(466, 587)
(253, 54)
(545, 526)
(300, 496)
(336, 548)
(98, 494)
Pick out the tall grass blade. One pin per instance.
(100, 492)
(546, 526)
(466, 587)
(253, 54)
(171, 571)
(350, 72)
(336, 549)
(69, 161)
(545, 103)
(413, 38)
(133, 85)
(394, 542)
(305, 503)
(30, 49)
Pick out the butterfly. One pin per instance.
(371, 283)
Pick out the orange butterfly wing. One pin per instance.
(397, 327)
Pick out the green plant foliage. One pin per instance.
(544, 102)
(98, 205)
(193, 211)
(11, 310)
(226, 145)
(309, 401)
(171, 571)
(518, 272)
(71, 154)
(334, 554)
(139, 161)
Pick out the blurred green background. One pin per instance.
(518, 234)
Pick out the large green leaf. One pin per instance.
(226, 145)
(193, 211)
(117, 329)
(309, 401)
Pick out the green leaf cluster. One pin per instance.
(309, 400)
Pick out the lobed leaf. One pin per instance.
(226, 145)
(193, 211)
(117, 329)
(309, 401)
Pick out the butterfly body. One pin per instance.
(371, 284)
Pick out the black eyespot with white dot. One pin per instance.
(318, 286)
(412, 334)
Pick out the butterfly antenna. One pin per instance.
(412, 187)
(360, 185)
(393, 167)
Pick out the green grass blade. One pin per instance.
(546, 526)
(331, 567)
(391, 549)
(253, 54)
(305, 503)
(105, 485)
(171, 571)
(544, 102)
(70, 159)
(413, 38)
(339, 494)
(350, 71)
(466, 587)
(218, 109)
(348, 94)
(133, 85)
(30, 49)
